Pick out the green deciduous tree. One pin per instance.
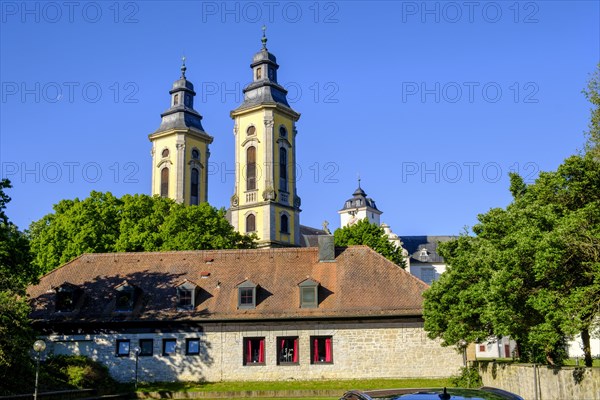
(592, 93)
(16, 335)
(532, 270)
(103, 223)
(365, 233)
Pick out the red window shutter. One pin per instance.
(295, 350)
(327, 349)
(261, 351)
(316, 350)
(248, 351)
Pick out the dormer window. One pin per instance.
(66, 297)
(247, 294)
(126, 297)
(186, 296)
(423, 254)
(309, 297)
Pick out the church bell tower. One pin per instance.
(265, 200)
(180, 148)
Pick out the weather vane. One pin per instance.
(264, 37)
(183, 67)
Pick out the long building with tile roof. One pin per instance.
(294, 312)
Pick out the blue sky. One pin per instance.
(432, 103)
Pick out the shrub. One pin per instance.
(469, 377)
(76, 372)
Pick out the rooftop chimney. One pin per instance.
(326, 248)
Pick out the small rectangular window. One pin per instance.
(123, 347)
(246, 297)
(125, 300)
(321, 350)
(308, 297)
(65, 301)
(254, 351)
(185, 298)
(169, 346)
(192, 347)
(287, 350)
(146, 347)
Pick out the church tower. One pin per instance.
(180, 148)
(358, 208)
(265, 200)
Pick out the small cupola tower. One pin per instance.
(265, 200)
(358, 208)
(180, 148)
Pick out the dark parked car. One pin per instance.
(484, 393)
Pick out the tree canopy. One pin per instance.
(16, 272)
(532, 271)
(365, 233)
(103, 223)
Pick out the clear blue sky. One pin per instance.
(433, 103)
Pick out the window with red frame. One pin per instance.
(254, 351)
(287, 350)
(321, 349)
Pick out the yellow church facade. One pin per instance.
(180, 150)
(265, 201)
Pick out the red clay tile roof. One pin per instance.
(359, 283)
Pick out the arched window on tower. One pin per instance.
(176, 99)
(284, 224)
(250, 223)
(195, 187)
(251, 168)
(283, 169)
(164, 182)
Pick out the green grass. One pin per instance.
(571, 362)
(341, 385)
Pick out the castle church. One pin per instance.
(294, 308)
(265, 200)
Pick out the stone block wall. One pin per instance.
(390, 349)
(552, 383)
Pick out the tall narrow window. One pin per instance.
(254, 351)
(250, 223)
(283, 169)
(258, 73)
(176, 99)
(321, 350)
(194, 187)
(287, 350)
(164, 182)
(284, 224)
(251, 168)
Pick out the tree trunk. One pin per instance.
(587, 351)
